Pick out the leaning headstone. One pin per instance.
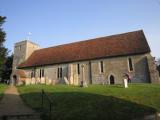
(81, 83)
(158, 116)
(66, 80)
(85, 84)
(125, 83)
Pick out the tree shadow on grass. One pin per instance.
(1, 95)
(86, 106)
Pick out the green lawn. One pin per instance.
(97, 102)
(2, 89)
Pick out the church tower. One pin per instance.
(22, 50)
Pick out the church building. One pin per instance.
(102, 60)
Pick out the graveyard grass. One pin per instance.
(103, 102)
(2, 89)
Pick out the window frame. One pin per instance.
(59, 72)
(101, 66)
(78, 68)
(40, 73)
(130, 64)
(33, 73)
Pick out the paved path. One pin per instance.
(12, 104)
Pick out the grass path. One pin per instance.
(96, 101)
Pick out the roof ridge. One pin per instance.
(91, 39)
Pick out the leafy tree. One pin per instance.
(3, 50)
(7, 68)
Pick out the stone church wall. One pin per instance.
(90, 71)
(117, 66)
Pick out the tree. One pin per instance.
(7, 68)
(3, 50)
(158, 61)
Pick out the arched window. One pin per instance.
(59, 72)
(78, 69)
(101, 67)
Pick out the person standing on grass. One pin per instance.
(128, 77)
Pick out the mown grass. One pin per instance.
(2, 89)
(107, 102)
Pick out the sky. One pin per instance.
(55, 22)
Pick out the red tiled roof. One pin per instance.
(116, 45)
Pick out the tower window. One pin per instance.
(20, 48)
(130, 64)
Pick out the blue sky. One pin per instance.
(54, 22)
